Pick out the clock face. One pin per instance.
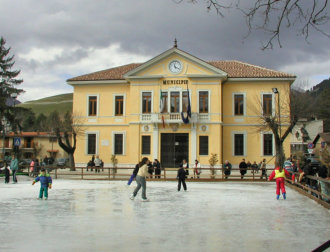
(175, 66)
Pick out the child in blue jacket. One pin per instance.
(45, 183)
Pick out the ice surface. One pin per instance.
(99, 216)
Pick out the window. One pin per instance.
(203, 145)
(146, 102)
(119, 149)
(28, 142)
(184, 101)
(203, 102)
(145, 145)
(267, 102)
(53, 139)
(91, 144)
(7, 142)
(165, 101)
(92, 105)
(175, 102)
(268, 144)
(239, 104)
(119, 105)
(239, 144)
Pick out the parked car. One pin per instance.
(24, 163)
(315, 162)
(61, 162)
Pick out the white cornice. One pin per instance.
(291, 79)
(205, 76)
(145, 77)
(99, 82)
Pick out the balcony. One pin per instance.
(172, 118)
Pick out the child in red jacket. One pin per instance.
(279, 173)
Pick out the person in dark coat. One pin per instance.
(181, 178)
(242, 168)
(150, 169)
(227, 168)
(185, 166)
(156, 166)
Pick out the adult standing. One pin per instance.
(14, 167)
(185, 166)
(31, 168)
(197, 169)
(288, 165)
(181, 178)
(242, 168)
(156, 166)
(97, 162)
(263, 169)
(325, 188)
(141, 179)
(254, 167)
(227, 168)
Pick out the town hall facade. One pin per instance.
(176, 106)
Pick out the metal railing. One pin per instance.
(124, 173)
(312, 190)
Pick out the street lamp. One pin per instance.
(275, 91)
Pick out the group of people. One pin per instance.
(95, 163)
(244, 167)
(154, 167)
(10, 166)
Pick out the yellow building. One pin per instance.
(32, 145)
(135, 110)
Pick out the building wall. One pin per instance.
(219, 124)
(41, 145)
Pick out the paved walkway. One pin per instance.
(99, 216)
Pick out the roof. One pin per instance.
(234, 69)
(324, 136)
(30, 134)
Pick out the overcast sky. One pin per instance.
(59, 39)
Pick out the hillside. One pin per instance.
(61, 103)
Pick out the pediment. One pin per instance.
(159, 67)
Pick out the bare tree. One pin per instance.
(272, 16)
(66, 130)
(281, 121)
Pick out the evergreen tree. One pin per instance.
(41, 123)
(8, 84)
(28, 123)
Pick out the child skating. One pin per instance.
(280, 173)
(181, 178)
(45, 183)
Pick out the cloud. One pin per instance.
(55, 40)
(48, 70)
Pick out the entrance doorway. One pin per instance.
(174, 148)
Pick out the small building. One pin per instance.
(32, 145)
(321, 147)
(303, 133)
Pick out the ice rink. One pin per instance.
(99, 216)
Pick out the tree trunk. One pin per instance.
(67, 147)
(279, 152)
(71, 162)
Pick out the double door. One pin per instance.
(174, 148)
